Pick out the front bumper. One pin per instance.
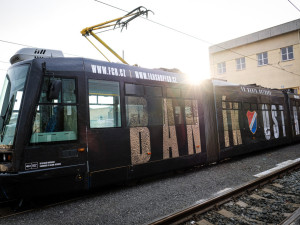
(5, 167)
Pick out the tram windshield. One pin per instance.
(10, 101)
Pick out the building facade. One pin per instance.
(270, 58)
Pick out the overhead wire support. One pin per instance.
(115, 23)
(202, 40)
(97, 48)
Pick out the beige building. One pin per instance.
(270, 58)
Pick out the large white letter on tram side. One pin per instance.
(193, 131)
(296, 120)
(275, 125)
(170, 146)
(140, 145)
(139, 133)
(282, 120)
(267, 128)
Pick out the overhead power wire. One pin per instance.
(170, 28)
(15, 43)
(111, 6)
(160, 24)
(200, 39)
(106, 30)
(294, 5)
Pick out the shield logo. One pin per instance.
(252, 121)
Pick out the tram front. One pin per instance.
(10, 104)
(16, 106)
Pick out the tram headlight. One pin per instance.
(6, 157)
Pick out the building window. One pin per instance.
(262, 58)
(240, 63)
(221, 68)
(287, 53)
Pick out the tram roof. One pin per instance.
(102, 68)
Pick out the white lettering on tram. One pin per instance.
(140, 145)
(295, 113)
(255, 91)
(266, 119)
(106, 70)
(157, 77)
(170, 145)
(193, 131)
(275, 125)
(282, 120)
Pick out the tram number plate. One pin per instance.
(31, 166)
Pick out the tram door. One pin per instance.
(57, 141)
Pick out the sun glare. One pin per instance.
(196, 76)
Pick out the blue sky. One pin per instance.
(56, 24)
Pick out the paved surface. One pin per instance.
(150, 200)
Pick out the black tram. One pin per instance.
(74, 123)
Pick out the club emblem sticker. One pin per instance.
(252, 121)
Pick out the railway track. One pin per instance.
(270, 199)
(244, 205)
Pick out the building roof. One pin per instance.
(257, 36)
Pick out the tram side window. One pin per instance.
(177, 111)
(104, 104)
(146, 109)
(188, 92)
(173, 92)
(176, 104)
(56, 120)
(68, 91)
(134, 89)
(153, 94)
(254, 107)
(136, 111)
(231, 122)
(191, 112)
(246, 106)
(155, 111)
(153, 91)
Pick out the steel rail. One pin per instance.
(189, 213)
(295, 217)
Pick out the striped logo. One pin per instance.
(252, 121)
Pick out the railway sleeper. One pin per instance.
(244, 219)
(226, 217)
(278, 185)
